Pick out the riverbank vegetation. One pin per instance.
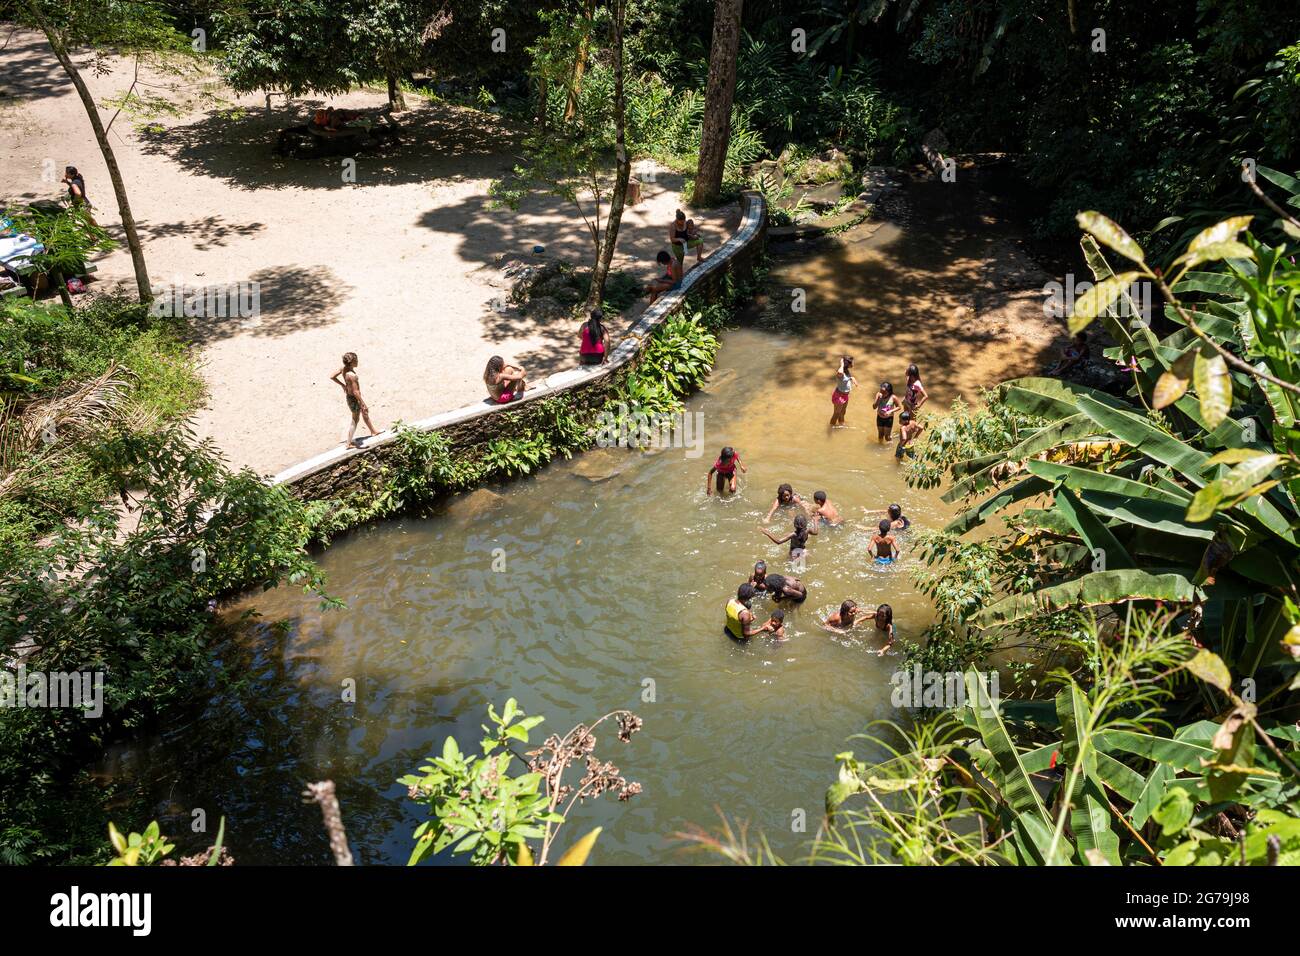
(1128, 558)
(1132, 562)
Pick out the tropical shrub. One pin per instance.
(491, 804)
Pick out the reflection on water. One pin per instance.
(613, 571)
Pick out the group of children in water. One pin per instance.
(741, 621)
(886, 404)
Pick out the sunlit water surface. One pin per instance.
(616, 571)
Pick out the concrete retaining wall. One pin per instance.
(341, 471)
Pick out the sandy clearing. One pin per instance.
(399, 266)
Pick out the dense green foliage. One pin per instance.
(490, 805)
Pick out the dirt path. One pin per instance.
(399, 266)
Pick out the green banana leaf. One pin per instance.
(1085, 479)
(1091, 590)
(1010, 776)
(1089, 810)
(976, 516)
(1095, 535)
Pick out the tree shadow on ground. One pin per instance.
(31, 71)
(291, 299)
(438, 142)
(930, 295)
(205, 234)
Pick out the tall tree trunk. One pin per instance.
(543, 92)
(101, 137)
(716, 129)
(579, 65)
(396, 101)
(115, 173)
(624, 168)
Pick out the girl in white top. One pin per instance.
(844, 382)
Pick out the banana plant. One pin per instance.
(1106, 788)
(1183, 491)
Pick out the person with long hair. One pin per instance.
(785, 497)
(683, 234)
(77, 198)
(844, 618)
(914, 393)
(798, 537)
(883, 616)
(346, 379)
(725, 468)
(595, 347)
(504, 382)
(886, 406)
(844, 383)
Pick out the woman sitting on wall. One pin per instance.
(504, 382)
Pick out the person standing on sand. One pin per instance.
(76, 184)
(351, 386)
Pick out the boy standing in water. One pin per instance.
(758, 576)
(884, 543)
(725, 469)
(907, 433)
(351, 386)
(824, 510)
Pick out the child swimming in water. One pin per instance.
(897, 520)
(844, 618)
(725, 469)
(782, 588)
(824, 510)
(886, 406)
(776, 624)
(758, 576)
(798, 538)
(884, 618)
(906, 435)
(884, 543)
(785, 497)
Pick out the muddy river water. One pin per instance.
(600, 584)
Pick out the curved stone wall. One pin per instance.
(340, 469)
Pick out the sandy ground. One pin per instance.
(400, 266)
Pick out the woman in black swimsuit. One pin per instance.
(886, 406)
